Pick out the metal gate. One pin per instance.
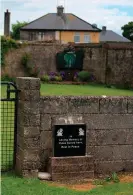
(9, 99)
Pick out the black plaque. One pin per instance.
(69, 140)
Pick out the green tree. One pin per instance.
(16, 29)
(128, 31)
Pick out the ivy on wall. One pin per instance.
(6, 45)
(30, 69)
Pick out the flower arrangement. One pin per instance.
(52, 76)
(75, 78)
(82, 76)
(62, 74)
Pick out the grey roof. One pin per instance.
(111, 36)
(52, 21)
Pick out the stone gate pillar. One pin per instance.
(28, 127)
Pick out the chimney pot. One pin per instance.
(104, 28)
(60, 10)
(95, 25)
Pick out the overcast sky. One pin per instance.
(110, 13)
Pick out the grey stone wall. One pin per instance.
(109, 123)
(111, 65)
(28, 134)
(119, 66)
(109, 128)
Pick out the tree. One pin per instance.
(16, 29)
(128, 31)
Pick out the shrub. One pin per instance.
(52, 78)
(7, 44)
(31, 69)
(84, 76)
(34, 71)
(6, 77)
(25, 60)
(58, 78)
(45, 78)
(115, 178)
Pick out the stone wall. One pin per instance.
(28, 124)
(109, 63)
(119, 66)
(109, 128)
(109, 123)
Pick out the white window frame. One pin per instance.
(87, 38)
(41, 36)
(77, 35)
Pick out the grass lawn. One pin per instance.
(92, 90)
(12, 185)
(7, 131)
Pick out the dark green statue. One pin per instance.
(70, 59)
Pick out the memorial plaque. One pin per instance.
(69, 140)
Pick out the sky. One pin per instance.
(111, 13)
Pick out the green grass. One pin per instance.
(7, 131)
(12, 185)
(78, 90)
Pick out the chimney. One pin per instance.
(104, 28)
(94, 25)
(60, 10)
(7, 23)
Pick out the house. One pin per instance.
(66, 27)
(111, 36)
(62, 27)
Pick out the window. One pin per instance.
(41, 36)
(32, 36)
(87, 38)
(77, 38)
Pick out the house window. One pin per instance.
(87, 38)
(41, 36)
(77, 38)
(32, 36)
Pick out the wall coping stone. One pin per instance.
(87, 97)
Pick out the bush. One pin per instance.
(31, 69)
(8, 78)
(7, 44)
(25, 60)
(45, 78)
(84, 76)
(34, 71)
(58, 78)
(52, 78)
